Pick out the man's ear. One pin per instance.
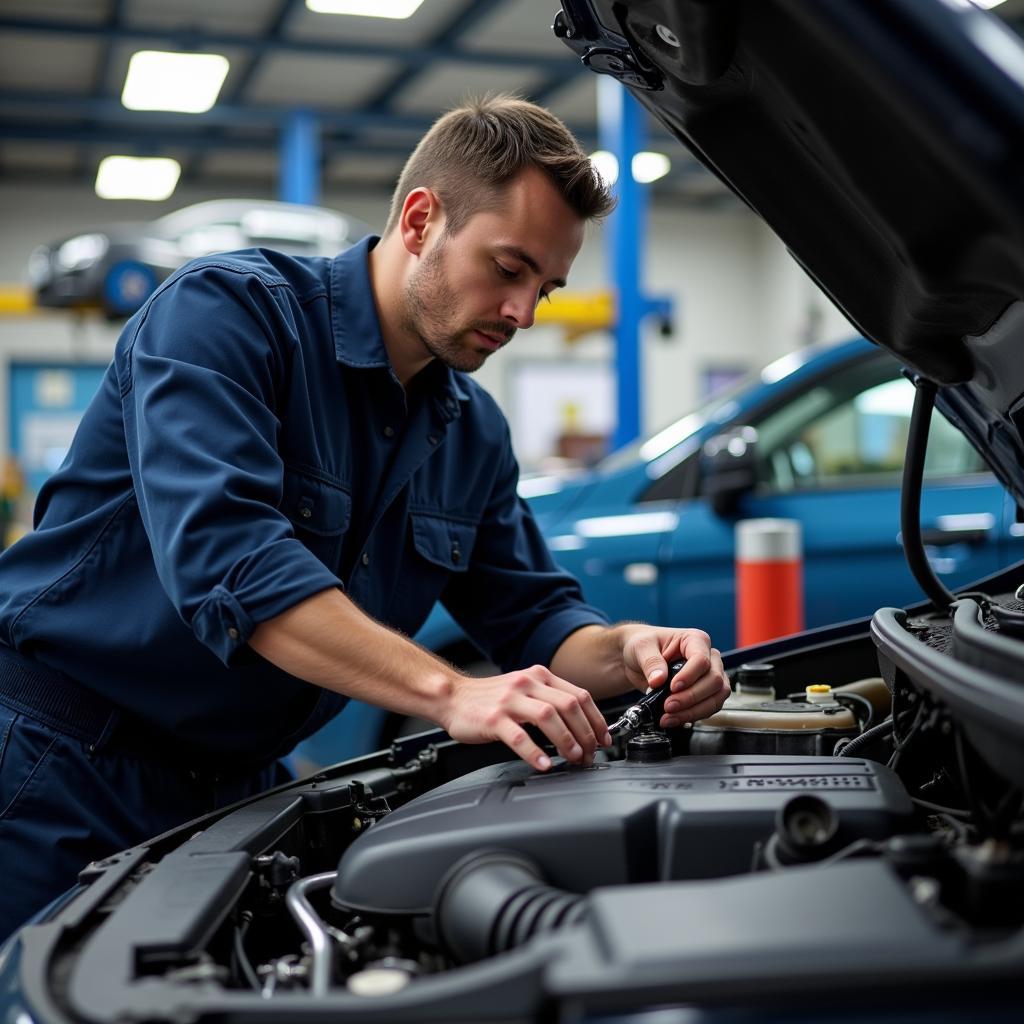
(421, 215)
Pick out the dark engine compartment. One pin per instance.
(863, 846)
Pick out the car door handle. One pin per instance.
(967, 528)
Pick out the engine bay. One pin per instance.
(440, 882)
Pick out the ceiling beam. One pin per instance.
(56, 106)
(465, 18)
(272, 32)
(59, 110)
(195, 39)
(101, 76)
(149, 139)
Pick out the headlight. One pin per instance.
(81, 251)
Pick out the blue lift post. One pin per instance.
(300, 158)
(620, 132)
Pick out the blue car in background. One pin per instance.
(650, 531)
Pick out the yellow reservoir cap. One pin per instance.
(819, 693)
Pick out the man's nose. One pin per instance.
(519, 310)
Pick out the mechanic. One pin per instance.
(285, 466)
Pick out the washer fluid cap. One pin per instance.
(819, 693)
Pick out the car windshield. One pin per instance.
(717, 406)
(662, 440)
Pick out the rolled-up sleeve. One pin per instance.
(200, 386)
(514, 601)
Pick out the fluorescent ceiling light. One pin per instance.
(130, 177)
(186, 82)
(647, 166)
(988, 4)
(366, 8)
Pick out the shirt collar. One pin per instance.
(358, 341)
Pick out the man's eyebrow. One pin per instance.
(525, 257)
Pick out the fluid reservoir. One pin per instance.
(808, 726)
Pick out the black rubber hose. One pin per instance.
(858, 742)
(910, 497)
(495, 900)
(853, 701)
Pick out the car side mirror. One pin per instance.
(729, 468)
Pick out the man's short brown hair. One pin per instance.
(472, 152)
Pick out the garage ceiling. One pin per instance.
(375, 84)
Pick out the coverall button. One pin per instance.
(365, 559)
(232, 632)
(389, 431)
(305, 511)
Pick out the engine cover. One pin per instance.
(612, 823)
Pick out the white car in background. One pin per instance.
(115, 267)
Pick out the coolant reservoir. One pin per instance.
(795, 727)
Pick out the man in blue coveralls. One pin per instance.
(285, 466)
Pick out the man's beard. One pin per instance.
(428, 301)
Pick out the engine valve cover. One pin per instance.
(609, 824)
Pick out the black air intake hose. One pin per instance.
(495, 900)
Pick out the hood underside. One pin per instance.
(884, 144)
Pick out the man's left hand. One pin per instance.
(700, 687)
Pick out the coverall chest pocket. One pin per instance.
(444, 543)
(319, 512)
(442, 547)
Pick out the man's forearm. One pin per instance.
(591, 657)
(329, 641)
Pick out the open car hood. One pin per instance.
(883, 142)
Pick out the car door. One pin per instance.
(831, 457)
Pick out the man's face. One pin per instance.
(472, 291)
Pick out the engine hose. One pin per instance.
(494, 900)
(850, 749)
(910, 497)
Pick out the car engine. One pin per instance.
(853, 840)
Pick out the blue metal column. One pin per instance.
(300, 158)
(620, 131)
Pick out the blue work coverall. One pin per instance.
(250, 446)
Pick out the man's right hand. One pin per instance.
(497, 708)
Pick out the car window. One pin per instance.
(852, 430)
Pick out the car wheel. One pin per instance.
(126, 286)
